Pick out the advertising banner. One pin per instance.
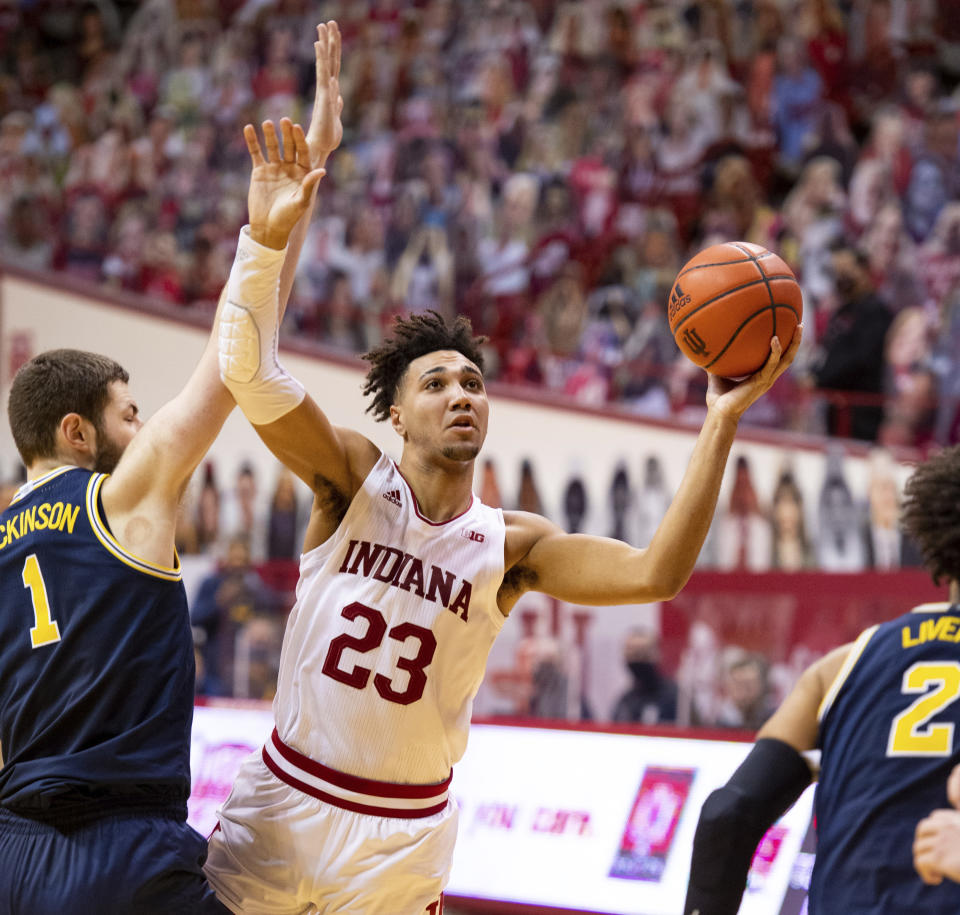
(601, 822)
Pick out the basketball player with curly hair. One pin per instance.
(883, 713)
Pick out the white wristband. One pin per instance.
(249, 327)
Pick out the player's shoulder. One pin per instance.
(528, 524)
(523, 531)
(824, 671)
(362, 454)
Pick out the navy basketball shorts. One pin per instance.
(127, 864)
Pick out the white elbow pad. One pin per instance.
(249, 327)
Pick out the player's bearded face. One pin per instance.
(118, 423)
(108, 453)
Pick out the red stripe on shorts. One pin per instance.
(354, 782)
(332, 799)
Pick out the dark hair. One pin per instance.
(412, 338)
(931, 513)
(841, 245)
(51, 385)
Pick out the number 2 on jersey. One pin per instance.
(358, 676)
(45, 630)
(911, 733)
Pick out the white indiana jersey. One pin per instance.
(387, 643)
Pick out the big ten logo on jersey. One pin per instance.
(408, 573)
(678, 299)
(648, 835)
(56, 516)
(435, 907)
(475, 536)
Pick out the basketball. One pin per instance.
(727, 303)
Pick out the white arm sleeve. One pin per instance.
(249, 327)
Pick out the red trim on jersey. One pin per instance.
(334, 801)
(416, 507)
(355, 782)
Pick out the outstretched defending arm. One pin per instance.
(735, 818)
(289, 422)
(323, 137)
(141, 496)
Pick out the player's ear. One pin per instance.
(76, 434)
(396, 420)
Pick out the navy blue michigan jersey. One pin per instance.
(96, 659)
(888, 736)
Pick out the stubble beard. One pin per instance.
(461, 453)
(108, 454)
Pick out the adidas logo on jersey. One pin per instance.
(475, 536)
(393, 496)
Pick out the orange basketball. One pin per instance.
(728, 302)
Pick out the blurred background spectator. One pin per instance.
(652, 699)
(226, 602)
(747, 701)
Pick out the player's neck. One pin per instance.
(44, 465)
(442, 491)
(954, 593)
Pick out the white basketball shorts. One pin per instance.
(279, 850)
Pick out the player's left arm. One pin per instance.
(735, 818)
(583, 569)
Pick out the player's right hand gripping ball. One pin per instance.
(727, 303)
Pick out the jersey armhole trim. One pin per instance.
(856, 651)
(113, 546)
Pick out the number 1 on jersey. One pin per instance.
(45, 631)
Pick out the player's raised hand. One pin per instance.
(326, 129)
(281, 183)
(732, 398)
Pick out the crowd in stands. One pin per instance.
(544, 167)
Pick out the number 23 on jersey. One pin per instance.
(371, 639)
